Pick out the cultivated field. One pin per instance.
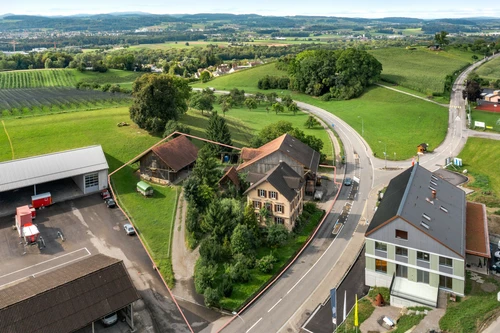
(24, 102)
(37, 78)
(246, 79)
(490, 70)
(420, 69)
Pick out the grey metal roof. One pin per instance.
(301, 152)
(284, 179)
(442, 218)
(45, 168)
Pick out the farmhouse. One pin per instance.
(69, 298)
(281, 191)
(299, 156)
(66, 175)
(416, 243)
(167, 162)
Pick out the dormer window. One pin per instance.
(427, 217)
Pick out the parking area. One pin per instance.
(89, 227)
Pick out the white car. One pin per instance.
(110, 319)
(129, 229)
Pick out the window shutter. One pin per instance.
(275, 208)
(265, 194)
(276, 195)
(260, 204)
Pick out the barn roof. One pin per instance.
(67, 299)
(477, 239)
(49, 167)
(288, 145)
(177, 153)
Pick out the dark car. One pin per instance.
(110, 203)
(496, 267)
(348, 181)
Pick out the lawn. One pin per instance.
(57, 132)
(420, 69)
(243, 291)
(153, 217)
(111, 76)
(490, 70)
(468, 314)
(480, 157)
(388, 117)
(489, 118)
(244, 124)
(400, 121)
(246, 79)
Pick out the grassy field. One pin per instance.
(489, 118)
(242, 291)
(245, 79)
(490, 70)
(244, 124)
(38, 78)
(470, 312)
(152, 223)
(420, 69)
(51, 133)
(480, 158)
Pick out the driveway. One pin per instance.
(90, 227)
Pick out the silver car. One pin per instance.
(129, 229)
(110, 319)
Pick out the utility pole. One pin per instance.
(14, 44)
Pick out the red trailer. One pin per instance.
(41, 200)
(24, 225)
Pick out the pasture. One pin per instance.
(490, 70)
(246, 79)
(480, 157)
(421, 70)
(489, 118)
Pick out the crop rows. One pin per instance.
(15, 102)
(37, 79)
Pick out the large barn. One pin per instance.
(167, 162)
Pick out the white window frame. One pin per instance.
(279, 208)
(273, 195)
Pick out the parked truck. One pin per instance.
(24, 225)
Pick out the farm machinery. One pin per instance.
(25, 227)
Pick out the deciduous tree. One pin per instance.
(158, 99)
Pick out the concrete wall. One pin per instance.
(373, 278)
(80, 182)
(103, 179)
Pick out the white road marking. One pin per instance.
(63, 264)
(303, 276)
(248, 330)
(43, 262)
(274, 305)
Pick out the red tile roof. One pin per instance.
(177, 153)
(477, 238)
(232, 176)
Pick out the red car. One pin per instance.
(105, 194)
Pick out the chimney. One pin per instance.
(433, 194)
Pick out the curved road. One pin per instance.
(273, 310)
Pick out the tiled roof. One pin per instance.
(177, 153)
(284, 179)
(230, 175)
(68, 298)
(288, 145)
(477, 240)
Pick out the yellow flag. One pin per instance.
(356, 322)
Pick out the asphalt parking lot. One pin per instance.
(89, 227)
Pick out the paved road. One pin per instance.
(274, 309)
(485, 135)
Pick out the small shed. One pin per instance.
(144, 188)
(421, 148)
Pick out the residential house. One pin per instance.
(281, 191)
(221, 70)
(230, 178)
(416, 241)
(299, 156)
(164, 163)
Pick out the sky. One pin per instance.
(426, 9)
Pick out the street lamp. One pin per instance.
(385, 153)
(237, 315)
(362, 126)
